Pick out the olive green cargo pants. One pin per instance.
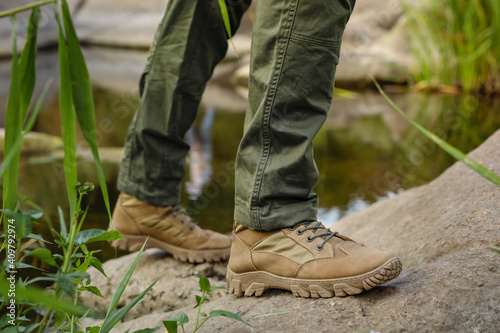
(295, 50)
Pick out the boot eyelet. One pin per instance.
(319, 248)
(300, 232)
(291, 228)
(309, 239)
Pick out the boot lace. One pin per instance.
(319, 231)
(178, 210)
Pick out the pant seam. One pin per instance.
(188, 79)
(283, 42)
(314, 40)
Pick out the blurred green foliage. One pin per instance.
(456, 42)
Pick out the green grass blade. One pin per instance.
(68, 121)
(19, 9)
(227, 23)
(272, 314)
(27, 62)
(225, 17)
(112, 320)
(16, 146)
(13, 126)
(62, 223)
(121, 287)
(82, 96)
(33, 295)
(228, 314)
(457, 154)
(38, 106)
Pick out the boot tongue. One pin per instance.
(316, 223)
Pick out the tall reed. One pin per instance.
(456, 42)
(22, 83)
(76, 104)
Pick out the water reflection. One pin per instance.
(331, 215)
(200, 154)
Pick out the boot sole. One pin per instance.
(134, 243)
(255, 283)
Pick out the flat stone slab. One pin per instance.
(125, 23)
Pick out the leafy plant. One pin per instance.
(71, 277)
(181, 319)
(68, 274)
(69, 314)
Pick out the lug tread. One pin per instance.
(311, 288)
(319, 291)
(255, 288)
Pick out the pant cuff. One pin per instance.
(279, 217)
(155, 199)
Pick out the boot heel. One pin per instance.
(237, 285)
(234, 284)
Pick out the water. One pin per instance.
(365, 152)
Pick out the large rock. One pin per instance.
(123, 23)
(441, 231)
(35, 143)
(374, 44)
(130, 23)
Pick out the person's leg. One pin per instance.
(295, 50)
(277, 242)
(189, 42)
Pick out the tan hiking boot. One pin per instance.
(309, 260)
(169, 229)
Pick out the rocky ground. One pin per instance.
(441, 231)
